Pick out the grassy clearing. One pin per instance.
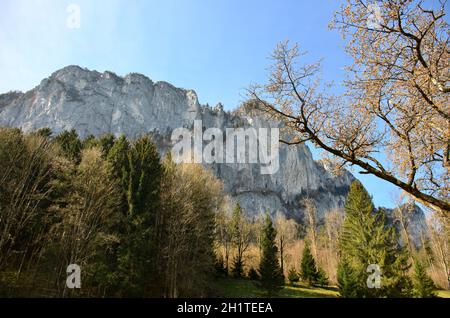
(443, 293)
(27, 285)
(236, 288)
(38, 286)
(239, 288)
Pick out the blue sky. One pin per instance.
(216, 47)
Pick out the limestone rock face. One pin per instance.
(413, 220)
(97, 103)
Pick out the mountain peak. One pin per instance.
(73, 70)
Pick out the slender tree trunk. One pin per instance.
(282, 254)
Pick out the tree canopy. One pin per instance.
(394, 119)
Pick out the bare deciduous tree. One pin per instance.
(311, 217)
(223, 236)
(187, 223)
(91, 202)
(440, 241)
(332, 226)
(287, 231)
(394, 121)
(400, 213)
(241, 230)
(25, 175)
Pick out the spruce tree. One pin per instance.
(90, 142)
(219, 267)
(138, 168)
(308, 269)
(423, 286)
(143, 180)
(118, 159)
(322, 278)
(253, 274)
(106, 142)
(367, 239)
(237, 270)
(347, 283)
(271, 278)
(45, 132)
(70, 145)
(293, 275)
(240, 232)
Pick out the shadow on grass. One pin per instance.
(241, 288)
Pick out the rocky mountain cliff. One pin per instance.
(97, 103)
(413, 220)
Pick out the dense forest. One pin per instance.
(135, 224)
(141, 226)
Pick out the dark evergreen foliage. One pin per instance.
(293, 276)
(70, 145)
(308, 269)
(253, 274)
(97, 203)
(423, 286)
(271, 278)
(367, 239)
(347, 280)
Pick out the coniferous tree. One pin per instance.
(308, 269)
(142, 193)
(139, 171)
(423, 286)
(106, 142)
(253, 274)
(293, 275)
(118, 159)
(347, 283)
(89, 142)
(44, 132)
(143, 179)
(88, 212)
(271, 278)
(70, 145)
(237, 270)
(219, 267)
(367, 239)
(240, 231)
(322, 278)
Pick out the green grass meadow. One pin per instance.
(240, 288)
